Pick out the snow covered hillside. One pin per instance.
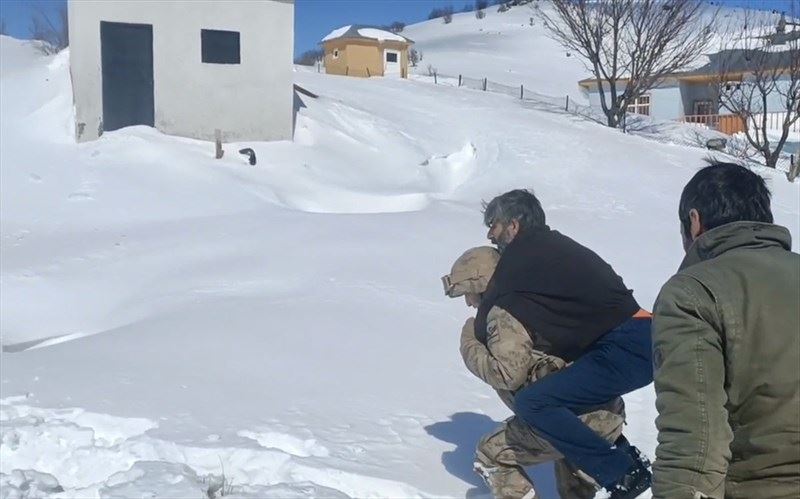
(513, 47)
(503, 47)
(169, 319)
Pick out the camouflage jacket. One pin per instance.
(509, 361)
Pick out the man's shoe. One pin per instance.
(636, 481)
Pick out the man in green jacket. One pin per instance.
(726, 348)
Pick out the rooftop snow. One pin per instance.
(365, 32)
(336, 33)
(380, 34)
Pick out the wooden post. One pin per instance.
(347, 70)
(218, 143)
(566, 108)
(521, 92)
(368, 75)
(459, 80)
(435, 79)
(485, 81)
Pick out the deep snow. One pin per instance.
(284, 322)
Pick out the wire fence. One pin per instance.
(695, 135)
(536, 99)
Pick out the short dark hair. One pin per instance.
(723, 193)
(520, 205)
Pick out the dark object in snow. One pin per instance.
(717, 144)
(218, 143)
(304, 91)
(250, 153)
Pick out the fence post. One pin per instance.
(435, 79)
(521, 92)
(368, 75)
(218, 143)
(459, 80)
(566, 108)
(484, 84)
(347, 70)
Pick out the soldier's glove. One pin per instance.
(546, 365)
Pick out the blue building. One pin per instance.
(694, 96)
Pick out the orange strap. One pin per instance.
(642, 314)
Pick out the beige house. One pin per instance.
(365, 51)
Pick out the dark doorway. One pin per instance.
(127, 58)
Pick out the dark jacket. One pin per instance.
(558, 289)
(726, 336)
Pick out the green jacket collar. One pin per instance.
(736, 235)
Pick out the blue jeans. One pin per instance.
(618, 363)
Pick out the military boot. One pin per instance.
(506, 482)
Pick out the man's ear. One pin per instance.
(513, 226)
(695, 224)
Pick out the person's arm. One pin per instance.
(506, 360)
(694, 435)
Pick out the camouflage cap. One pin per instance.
(471, 272)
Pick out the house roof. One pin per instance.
(732, 61)
(364, 32)
(783, 38)
(740, 61)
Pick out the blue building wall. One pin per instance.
(665, 101)
(693, 92)
(672, 101)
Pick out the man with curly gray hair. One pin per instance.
(579, 310)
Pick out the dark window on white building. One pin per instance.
(391, 56)
(220, 47)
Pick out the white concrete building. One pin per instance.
(184, 67)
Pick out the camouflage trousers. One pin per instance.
(502, 454)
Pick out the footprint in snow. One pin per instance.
(80, 196)
(287, 443)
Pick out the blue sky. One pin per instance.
(315, 18)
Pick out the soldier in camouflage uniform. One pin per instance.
(508, 362)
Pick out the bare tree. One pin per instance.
(52, 29)
(629, 45)
(413, 57)
(758, 81)
(397, 27)
(310, 57)
(447, 14)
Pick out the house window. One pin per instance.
(704, 108)
(391, 56)
(335, 53)
(220, 47)
(640, 105)
(731, 86)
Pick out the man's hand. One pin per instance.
(469, 328)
